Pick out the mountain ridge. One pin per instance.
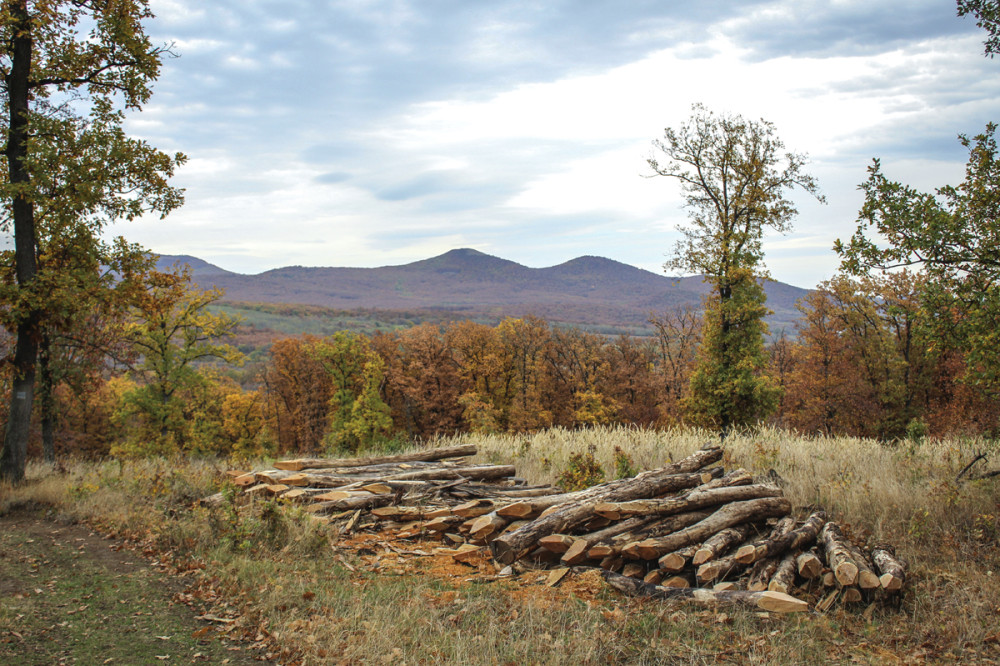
(589, 290)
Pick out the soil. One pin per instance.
(71, 596)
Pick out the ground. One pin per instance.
(68, 595)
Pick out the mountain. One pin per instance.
(587, 290)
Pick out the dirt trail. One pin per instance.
(68, 596)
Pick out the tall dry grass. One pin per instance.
(277, 565)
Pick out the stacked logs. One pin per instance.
(688, 526)
(685, 530)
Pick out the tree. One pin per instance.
(172, 330)
(69, 67)
(954, 236)
(734, 174)
(987, 13)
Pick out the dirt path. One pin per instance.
(68, 597)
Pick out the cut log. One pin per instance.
(725, 586)
(689, 501)
(634, 570)
(474, 508)
(867, 579)
(533, 507)
(605, 543)
(726, 516)
(677, 582)
(677, 560)
(654, 577)
(557, 543)
(893, 573)
(721, 543)
(509, 547)
(851, 595)
(577, 552)
(808, 565)
(775, 545)
(768, 601)
(612, 563)
(730, 565)
(784, 578)
(442, 523)
(486, 526)
(838, 555)
(432, 454)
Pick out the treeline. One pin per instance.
(866, 359)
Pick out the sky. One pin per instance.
(380, 132)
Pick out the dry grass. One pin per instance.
(275, 565)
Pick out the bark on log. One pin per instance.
(433, 454)
(838, 556)
(655, 527)
(784, 578)
(690, 501)
(720, 543)
(727, 516)
(768, 601)
(729, 565)
(777, 544)
(893, 573)
(509, 547)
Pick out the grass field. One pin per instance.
(321, 600)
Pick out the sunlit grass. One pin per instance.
(277, 566)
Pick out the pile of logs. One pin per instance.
(685, 530)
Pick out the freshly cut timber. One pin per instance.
(557, 543)
(690, 501)
(776, 544)
(323, 463)
(867, 580)
(726, 516)
(784, 578)
(677, 560)
(720, 543)
(763, 570)
(511, 546)
(611, 540)
(809, 565)
(485, 526)
(893, 574)
(838, 555)
(767, 600)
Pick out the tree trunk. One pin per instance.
(15, 445)
(511, 546)
(323, 463)
(797, 539)
(727, 516)
(721, 543)
(893, 574)
(838, 556)
(695, 499)
(47, 399)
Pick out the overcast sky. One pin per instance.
(370, 132)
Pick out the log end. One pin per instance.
(780, 602)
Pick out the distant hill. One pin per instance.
(591, 291)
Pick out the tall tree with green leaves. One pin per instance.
(70, 69)
(953, 234)
(987, 15)
(734, 174)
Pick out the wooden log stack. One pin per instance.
(685, 525)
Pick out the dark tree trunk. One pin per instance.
(47, 399)
(15, 447)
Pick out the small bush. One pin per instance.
(583, 471)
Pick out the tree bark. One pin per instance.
(727, 516)
(838, 556)
(15, 446)
(893, 573)
(809, 565)
(720, 543)
(796, 539)
(690, 501)
(324, 463)
(511, 546)
(784, 578)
